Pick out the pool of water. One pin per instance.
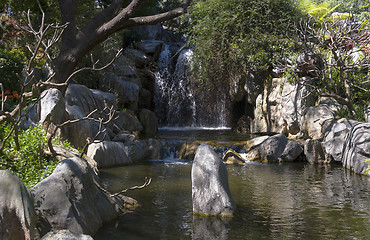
(274, 201)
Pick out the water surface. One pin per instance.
(274, 201)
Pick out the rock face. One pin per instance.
(108, 154)
(69, 199)
(17, 214)
(65, 235)
(316, 121)
(279, 108)
(335, 138)
(210, 187)
(357, 149)
(314, 152)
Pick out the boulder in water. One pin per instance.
(357, 149)
(65, 235)
(210, 186)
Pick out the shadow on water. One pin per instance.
(274, 201)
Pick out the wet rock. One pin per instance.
(70, 199)
(17, 213)
(233, 157)
(314, 152)
(357, 149)
(65, 235)
(149, 122)
(109, 154)
(188, 150)
(316, 121)
(152, 47)
(291, 152)
(210, 187)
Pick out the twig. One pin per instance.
(146, 183)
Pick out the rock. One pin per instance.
(145, 99)
(210, 187)
(65, 235)
(280, 107)
(137, 151)
(308, 64)
(236, 88)
(335, 138)
(243, 124)
(127, 92)
(140, 58)
(149, 122)
(316, 121)
(124, 136)
(70, 199)
(88, 99)
(78, 132)
(291, 152)
(124, 67)
(17, 213)
(357, 149)
(153, 147)
(367, 114)
(152, 47)
(233, 157)
(275, 148)
(127, 120)
(314, 152)
(253, 87)
(109, 154)
(52, 107)
(188, 150)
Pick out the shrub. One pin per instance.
(29, 163)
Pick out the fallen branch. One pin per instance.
(146, 183)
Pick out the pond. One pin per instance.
(274, 201)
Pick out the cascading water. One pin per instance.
(178, 101)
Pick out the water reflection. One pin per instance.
(288, 201)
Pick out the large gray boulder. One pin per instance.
(277, 148)
(335, 138)
(70, 199)
(65, 235)
(17, 213)
(127, 92)
(126, 120)
(88, 99)
(52, 107)
(316, 121)
(210, 186)
(138, 57)
(109, 154)
(357, 149)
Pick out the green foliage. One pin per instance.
(29, 162)
(11, 64)
(318, 10)
(233, 37)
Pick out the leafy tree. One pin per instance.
(231, 38)
(87, 29)
(337, 56)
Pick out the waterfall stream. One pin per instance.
(179, 102)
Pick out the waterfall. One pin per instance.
(179, 102)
